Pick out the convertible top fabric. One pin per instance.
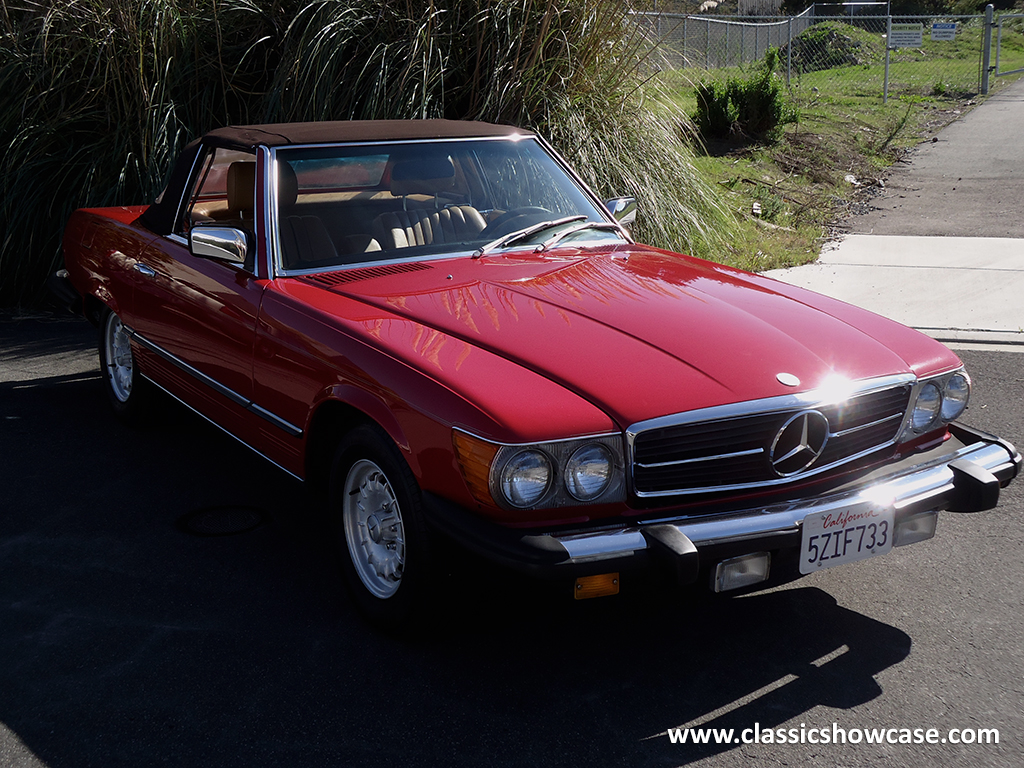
(284, 134)
(159, 217)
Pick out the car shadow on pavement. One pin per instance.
(128, 641)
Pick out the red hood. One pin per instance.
(642, 333)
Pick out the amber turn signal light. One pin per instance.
(597, 586)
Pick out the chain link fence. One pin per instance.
(828, 48)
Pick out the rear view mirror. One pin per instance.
(623, 209)
(220, 243)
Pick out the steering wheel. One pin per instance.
(513, 219)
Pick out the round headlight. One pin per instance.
(954, 399)
(588, 472)
(525, 478)
(929, 401)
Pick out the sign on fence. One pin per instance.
(943, 32)
(906, 35)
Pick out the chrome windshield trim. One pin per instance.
(266, 260)
(423, 140)
(425, 260)
(215, 385)
(270, 204)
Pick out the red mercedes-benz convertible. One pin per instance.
(441, 324)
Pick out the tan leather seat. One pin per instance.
(421, 226)
(242, 189)
(303, 238)
(400, 229)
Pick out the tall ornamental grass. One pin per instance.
(98, 96)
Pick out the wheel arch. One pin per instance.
(332, 419)
(93, 308)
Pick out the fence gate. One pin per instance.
(999, 45)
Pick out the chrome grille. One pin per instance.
(729, 448)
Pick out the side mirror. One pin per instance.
(623, 209)
(220, 243)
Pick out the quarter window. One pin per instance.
(224, 192)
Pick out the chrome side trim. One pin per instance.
(913, 491)
(215, 385)
(222, 429)
(276, 420)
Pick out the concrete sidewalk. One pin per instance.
(939, 250)
(960, 290)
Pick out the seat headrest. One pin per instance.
(242, 186)
(422, 176)
(287, 184)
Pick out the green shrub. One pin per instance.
(98, 96)
(755, 107)
(716, 111)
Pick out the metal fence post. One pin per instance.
(789, 52)
(685, 60)
(986, 56)
(707, 45)
(888, 46)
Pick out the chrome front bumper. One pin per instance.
(965, 475)
(966, 480)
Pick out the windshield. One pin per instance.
(343, 205)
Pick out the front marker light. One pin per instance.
(588, 472)
(926, 409)
(525, 478)
(954, 398)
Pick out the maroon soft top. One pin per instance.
(283, 134)
(159, 217)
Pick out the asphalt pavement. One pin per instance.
(940, 248)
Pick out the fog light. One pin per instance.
(915, 528)
(597, 586)
(741, 572)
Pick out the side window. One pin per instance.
(224, 191)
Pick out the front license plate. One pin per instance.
(845, 536)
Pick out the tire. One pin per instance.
(127, 391)
(383, 542)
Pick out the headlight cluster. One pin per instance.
(561, 473)
(936, 402)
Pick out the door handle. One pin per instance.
(144, 270)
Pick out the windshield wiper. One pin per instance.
(559, 236)
(522, 234)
